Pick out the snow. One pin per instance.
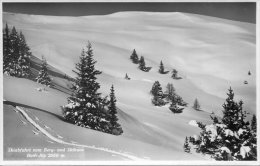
(244, 150)
(193, 123)
(196, 137)
(241, 131)
(213, 131)
(42, 130)
(228, 132)
(201, 48)
(225, 149)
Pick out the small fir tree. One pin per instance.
(161, 68)
(142, 64)
(249, 73)
(134, 57)
(174, 108)
(186, 146)
(115, 126)
(174, 74)
(157, 93)
(196, 105)
(170, 94)
(43, 76)
(126, 77)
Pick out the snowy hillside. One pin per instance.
(211, 54)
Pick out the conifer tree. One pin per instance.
(126, 77)
(84, 106)
(115, 126)
(7, 61)
(170, 94)
(174, 73)
(157, 93)
(229, 138)
(16, 54)
(13, 69)
(43, 76)
(134, 57)
(24, 57)
(196, 105)
(161, 68)
(186, 146)
(142, 64)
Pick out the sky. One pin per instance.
(239, 11)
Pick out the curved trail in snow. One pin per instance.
(29, 119)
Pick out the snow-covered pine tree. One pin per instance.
(16, 54)
(13, 68)
(43, 76)
(7, 59)
(196, 105)
(161, 68)
(115, 126)
(24, 57)
(157, 93)
(85, 107)
(154, 89)
(186, 146)
(229, 138)
(142, 64)
(174, 74)
(134, 57)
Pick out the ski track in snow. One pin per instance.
(29, 119)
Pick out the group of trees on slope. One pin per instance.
(135, 59)
(85, 107)
(16, 53)
(169, 96)
(142, 66)
(16, 57)
(230, 137)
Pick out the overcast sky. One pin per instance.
(245, 11)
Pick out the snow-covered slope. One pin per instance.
(211, 54)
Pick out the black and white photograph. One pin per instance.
(129, 82)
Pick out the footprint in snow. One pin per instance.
(35, 132)
(50, 141)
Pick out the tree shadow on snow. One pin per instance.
(14, 104)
